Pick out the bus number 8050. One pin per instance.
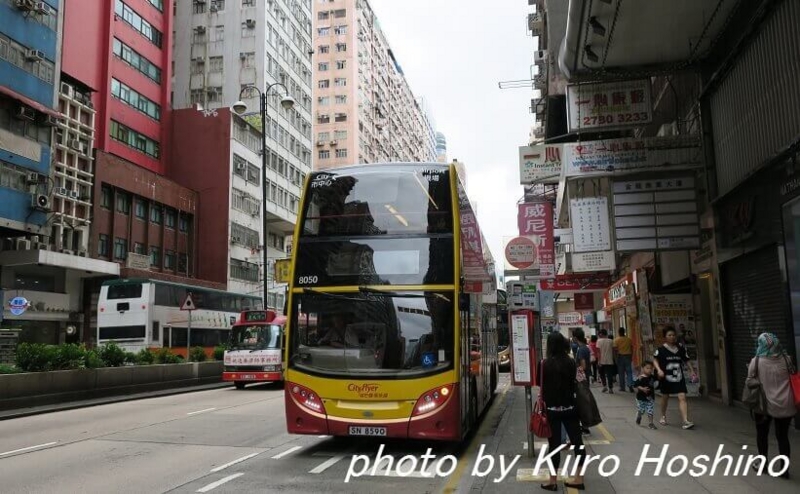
(307, 280)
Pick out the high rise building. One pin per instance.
(364, 110)
(441, 148)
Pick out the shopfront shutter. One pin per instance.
(755, 302)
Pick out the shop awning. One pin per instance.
(33, 104)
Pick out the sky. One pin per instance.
(454, 53)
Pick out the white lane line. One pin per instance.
(214, 485)
(327, 464)
(201, 411)
(234, 462)
(287, 452)
(28, 448)
(322, 437)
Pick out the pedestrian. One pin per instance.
(607, 367)
(645, 394)
(624, 350)
(593, 361)
(558, 388)
(772, 367)
(582, 361)
(669, 360)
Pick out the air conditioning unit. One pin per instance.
(334, 142)
(60, 191)
(540, 82)
(42, 8)
(67, 90)
(74, 194)
(25, 113)
(240, 166)
(40, 202)
(320, 143)
(32, 178)
(75, 144)
(250, 23)
(67, 251)
(34, 55)
(540, 56)
(213, 7)
(200, 29)
(22, 244)
(25, 4)
(51, 121)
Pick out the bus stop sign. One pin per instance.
(188, 304)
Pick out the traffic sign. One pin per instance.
(188, 304)
(522, 253)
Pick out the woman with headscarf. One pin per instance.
(771, 365)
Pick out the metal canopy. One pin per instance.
(619, 38)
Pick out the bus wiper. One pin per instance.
(364, 289)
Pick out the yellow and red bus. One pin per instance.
(255, 347)
(387, 330)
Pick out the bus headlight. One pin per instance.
(433, 399)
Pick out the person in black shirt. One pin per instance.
(645, 393)
(558, 387)
(669, 360)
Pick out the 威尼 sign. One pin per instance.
(609, 105)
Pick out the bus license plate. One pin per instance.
(367, 431)
(248, 376)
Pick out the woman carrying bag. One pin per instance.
(772, 368)
(557, 387)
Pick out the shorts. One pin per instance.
(645, 407)
(672, 388)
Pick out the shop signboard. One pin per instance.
(535, 220)
(609, 105)
(540, 164)
(590, 224)
(587, 262)
(573, 282)
(602, 157)
(573, 318)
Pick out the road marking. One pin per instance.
(527, 475)
(234, 462)
(287, 452)
(327, 464)
(421, 474)
(322, 437)
(605, 433)
(214, 485)
(28, 448)
(455, 478)
(201, 411)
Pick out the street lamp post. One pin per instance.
(240, 108)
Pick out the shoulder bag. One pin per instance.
(753, 394)
(540, 425)
(794, 382)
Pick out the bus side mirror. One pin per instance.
(463, 302)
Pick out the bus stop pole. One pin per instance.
(188, 335)
(528, 413)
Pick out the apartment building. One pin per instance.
(364, 109)
(227, 48)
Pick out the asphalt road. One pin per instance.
(219, 441)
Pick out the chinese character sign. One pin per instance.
(540, 164)
(535, 220)
(609, 105)
(590, 224)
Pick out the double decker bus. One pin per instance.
(254, 354)
(140, 313)
(387, 334)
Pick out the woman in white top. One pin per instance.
(773, 372)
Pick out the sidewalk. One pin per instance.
(715, 425)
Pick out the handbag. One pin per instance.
(540, 425)
(794, 382)
(586, 406)
(753, 394)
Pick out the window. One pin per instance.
(183, 263)
(248, 30)
(248, 3)
(199, 8)
(170, 219)
(155, 256)
(340, 82)
(248, 59)
(102, 246)
(341, 64)
(244, 236)
(341, 47)
(244, 202)
(324, 100)
(215, 64)
(156, 214)
(139, 248)
(140, 209)
(135, 100)
(243, 270)
(340, 29)
(169, 259)
(324, 154)
(120, 248)
(341, 99)
(159, 4)
(323, 136)
(130, 16)
(321, 16)
(15, 53)
(105, 196)
(341, 153)
(218, 33)
(340, 13)
(340, 117)
(137, 61)
(324, 48)
(123, 203)
(183, 224)
(324, 83)
(323, 119)
(323, 66)
(324, 31)
(218, 4)
(134, 139)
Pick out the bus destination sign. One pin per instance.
(255, 315)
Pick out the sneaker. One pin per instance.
(663, 421)
(687, 425)
(638, 420)
(605, 389)
(652, 426)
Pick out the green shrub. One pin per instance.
(9, 369)
(34, 357)
(130, 358)
(112, 355)
(93, 360)
(165, 356)
(68, 356)
(219, 352)
(197, 354)
(145, 357)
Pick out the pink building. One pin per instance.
(363, 108)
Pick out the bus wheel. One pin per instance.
(239, 384)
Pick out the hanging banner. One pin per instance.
(535, 220)
(540, 164)
(630, 154)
